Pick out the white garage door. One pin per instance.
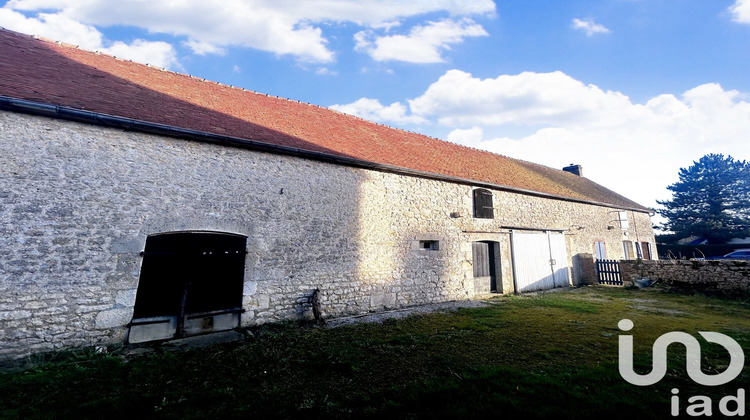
(540, 260)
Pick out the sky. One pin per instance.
(632, 90)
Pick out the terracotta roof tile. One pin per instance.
(53, 73)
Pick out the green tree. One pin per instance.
(711, 200)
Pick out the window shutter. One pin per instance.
(483, 208)
(600, 250)
(646, 251)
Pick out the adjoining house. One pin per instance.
(139, 204)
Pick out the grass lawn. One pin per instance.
(550, 355)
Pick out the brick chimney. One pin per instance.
(574, 169)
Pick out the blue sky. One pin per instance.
(630, 89)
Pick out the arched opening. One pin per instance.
(190, 283)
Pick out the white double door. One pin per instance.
(540, 260)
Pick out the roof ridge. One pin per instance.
(314, 126)
(217, 83)
(203, 79)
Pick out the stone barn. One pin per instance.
(139, 204)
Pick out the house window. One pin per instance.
(429, 245)
(627, 249)
(646, 247)
(623, 219)
(483, 204)
(600, 250)
(638, 251)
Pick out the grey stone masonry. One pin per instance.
(77, 203)
(721, 277)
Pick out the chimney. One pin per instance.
(574, 169)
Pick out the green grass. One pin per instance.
(551, 355)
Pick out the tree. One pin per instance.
(711, 200)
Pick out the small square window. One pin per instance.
(429, 245)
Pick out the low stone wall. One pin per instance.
(719, 277)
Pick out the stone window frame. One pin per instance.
(429, 245)
(436, 250)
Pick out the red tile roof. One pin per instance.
(52, 73)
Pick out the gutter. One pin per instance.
(105, 120)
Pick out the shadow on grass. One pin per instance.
(549, 356)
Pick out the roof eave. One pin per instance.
(95, 118)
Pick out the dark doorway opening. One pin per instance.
(486, 264)
(190, 283)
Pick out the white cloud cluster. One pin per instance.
(634, 149)
(280, 27)
(373, 110)
(589, 26)
(459, 99)
(423, 44)
(741, 11)
(62, 28)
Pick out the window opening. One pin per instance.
(600, 250)
(483, 208)
(627, 247)
(646, 250)
(623, 219)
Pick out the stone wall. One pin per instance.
(77, 203)
(721, 277)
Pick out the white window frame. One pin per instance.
(600, 250)
(622, 218)
(626, 247)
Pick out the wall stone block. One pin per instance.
(721, 277)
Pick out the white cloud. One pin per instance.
(324, 71)
(379, 13)
(157, 53)
(589, 26)
(423, 44)
(280, 27)
(203, 48)
(471, 137)
(373, 110)
(741, 11)
(634, 149)
(53, 26)
(529, 98)
(61, 28)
